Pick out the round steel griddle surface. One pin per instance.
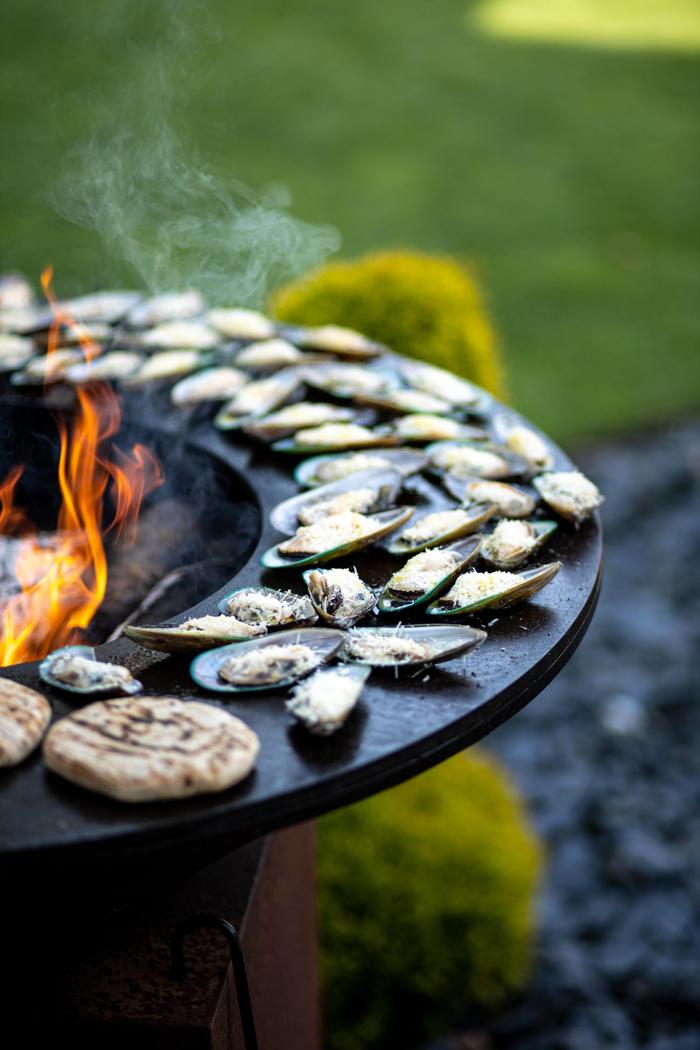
(404, 723)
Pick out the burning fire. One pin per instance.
(61, 579)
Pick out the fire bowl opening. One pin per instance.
(194, 532)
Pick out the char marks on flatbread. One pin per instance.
(141, 749)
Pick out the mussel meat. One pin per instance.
(334, 537)
(478, 590)
(410, 645)
(426, 574)
(263, 663)
(270, 608)
(569, 493)
(323, 702)
(211, 384)
(513, 541)
(237, 323)
(194, 635)
(509, 501)
(339, 595)
(75, 669)
(440, 527)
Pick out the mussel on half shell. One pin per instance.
(474, 591)
(76, 669)
(272, 662)
(426, 574)
(409, 645)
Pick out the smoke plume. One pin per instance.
(176, 222)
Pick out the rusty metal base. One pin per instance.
(106, 979)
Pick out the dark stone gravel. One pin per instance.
(608, 758)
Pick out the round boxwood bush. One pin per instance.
(426, 897)
(425, 306)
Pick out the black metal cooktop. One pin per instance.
(404, 723)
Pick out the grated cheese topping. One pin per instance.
(570, 493)
(327, 533)
(475, 586)
(338, 435)
(384, 650)
(270, 608)
(164, 364)
(465, 459)
(333, 337)
(432, 526)
(255, 396)
(350, 378)
(424, 571)
(269, 664)
(238, 323)
(340, 593)
(324, 701)
(223, 626)
(440, 383)
(423, 426)
(214, 384)
(272, 353)
(335, 469)
(529, 445)
(306, 413)
(360, 500)
(83, 673)
(510, 540)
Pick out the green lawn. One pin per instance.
(567, 170)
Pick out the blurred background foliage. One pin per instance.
(424, 306)
(427, 904)
(552, 145)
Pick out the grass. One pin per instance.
(566, 171)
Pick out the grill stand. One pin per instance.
(115, 984)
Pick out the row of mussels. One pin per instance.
(366, 430)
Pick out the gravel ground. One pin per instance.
(608, 758)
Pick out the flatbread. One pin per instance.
(24, 716)
(141, 749)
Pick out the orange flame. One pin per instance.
(61, 579)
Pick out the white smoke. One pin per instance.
(176, 222)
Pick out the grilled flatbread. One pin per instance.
(141, 749)
(24, 716)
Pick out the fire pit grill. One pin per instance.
(403, 725)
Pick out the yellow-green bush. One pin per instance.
(425, 306)
(426, 904)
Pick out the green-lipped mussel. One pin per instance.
(366, 491)
(409, 645)
(509, 500)
(321, 470)
(339, 596)
(323, 701)
(513, 541)
(474, 591)
(76, 669)
(333, 538)
(195, 634)
(269, 607)
(272, 662)
(439, 528)
(334, 437)
(258, 398)
(426, 574)
(569, 493)
(464, 459)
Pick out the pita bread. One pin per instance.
(24, 716)
(140, 749)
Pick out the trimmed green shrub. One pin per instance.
(426, 904)
(425, 306)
